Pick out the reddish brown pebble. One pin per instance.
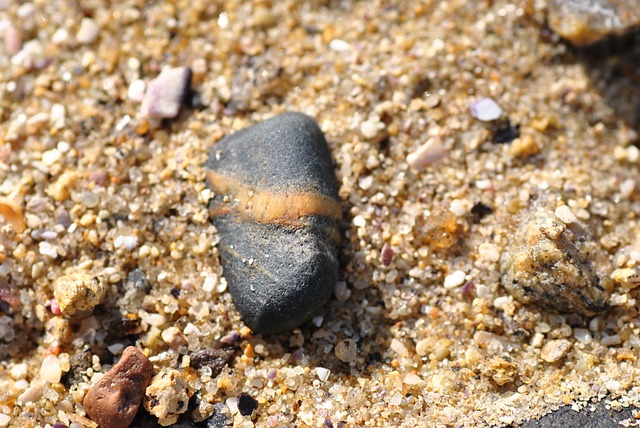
(386, 255)
(114, 401)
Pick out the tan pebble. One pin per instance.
(60, 189)
(173, 337)
(524, 147)
(59, 330)
(166, 397)
(87, 219)
(442, 350)
(78, 292)
(11, 213)
(555, 350)
(628, 278)
(438, 231)
(114, 400)
(425, 346)
(501, 369)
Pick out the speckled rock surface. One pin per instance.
(586, 21)
(276, 209)
(550, 263)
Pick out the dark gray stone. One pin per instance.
(585, 418)
(277, 211)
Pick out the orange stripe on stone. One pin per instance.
(265, 206)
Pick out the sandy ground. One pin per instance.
(432, 339)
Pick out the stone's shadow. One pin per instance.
(613, 67)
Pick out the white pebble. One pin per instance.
(317, 320)
(502, 302)
(359, 221)
(322, 373)
(165, 94)
(582, 335)
(399, 348)
(51, 157)
(155, 320)
(342, 292)
(627, 187)
(4, 420)
(50, 369)
(88, 31)
(232, 404)
(129, 242)
(116, 348)
(339, 45)
(412, 379)
(458, 207)
(191, 329)
(209, 283)
(431, 151)
(488, 252)
(485, 110)
(19, 371)
(57, 116)
(136, 90)
(366, 182)
(396, 400)
(20, 385)
(46, 249)
(613, 340)
(60, 37)
(633, 154)
(369, 129)
(454, 279)
(26, 10)
(612, 385)
(565, 215)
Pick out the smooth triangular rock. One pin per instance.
(277, 212)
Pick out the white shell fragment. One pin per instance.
(165, 93)
(430, 152)
(485, 110)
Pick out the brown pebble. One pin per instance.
(386, 255)
(114, 401)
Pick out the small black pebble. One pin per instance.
(480, 211)
(506, 133)
(216, 359)
(246, 404)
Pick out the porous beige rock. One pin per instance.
(167, 397)
(78, 292)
